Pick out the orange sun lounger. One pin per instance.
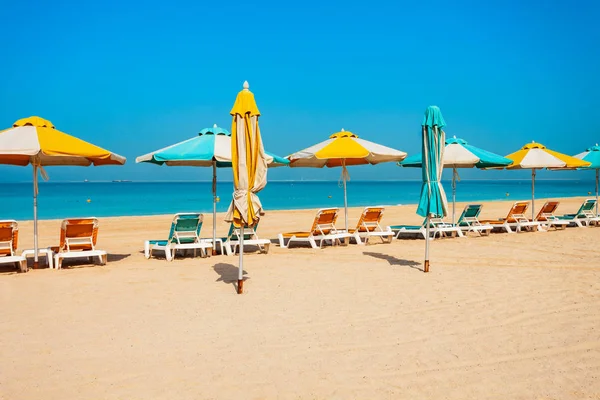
(78, 239)
(515, 219)
(9, 238)
(323, 229)
(369, 225)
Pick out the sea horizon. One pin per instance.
(58, 200)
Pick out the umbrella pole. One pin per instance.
(453, 195)
(597, 173)
(426, 266)
(533, 194)
(36, 263)
(214, 189)
(344, 173)
(240, 288)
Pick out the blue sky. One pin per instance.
(135, 78)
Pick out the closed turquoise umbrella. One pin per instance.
(210, 148)
(592, 155)
(459, 154)
(432, 201)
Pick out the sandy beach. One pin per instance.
(509, 316)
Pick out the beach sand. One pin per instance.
(510, 316)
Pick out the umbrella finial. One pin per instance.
(246, 85)
(214, 125)
(454, 136)
(342, 130)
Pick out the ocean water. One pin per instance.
(102, 199)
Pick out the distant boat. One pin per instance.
(85, 180)
(120, 180)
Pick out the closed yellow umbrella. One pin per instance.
(36, 141)
(249, 164)
(536, 156)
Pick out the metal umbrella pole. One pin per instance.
(214, 190)
(426, 266)
(240, 288)
(533, 194)
(597, 173)
(35, 218)
(344, 175)
(453, 194)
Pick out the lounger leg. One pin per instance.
(281, 241)
(22, 266)
(58, 261)
(357, 238)
(313, 244)
(147, 253)
(169, 254)
(266, 251)
(50, 258)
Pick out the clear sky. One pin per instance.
(134, 78)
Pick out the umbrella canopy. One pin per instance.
(433, 199)
(342, 149)
(459, 154)
(249, 167)
(210, 148)
(592, 155)
(536, 156)
(211, 145)
(36, 141)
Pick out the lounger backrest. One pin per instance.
(185, 228)
(517, 212)
(9, 236)
(78, 234)
(470, 214)
(547, 211)
(587, 208)
(369, 219)
(324, 222)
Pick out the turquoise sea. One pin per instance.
(61, 200)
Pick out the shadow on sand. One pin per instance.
(228, 273)
(395, 260)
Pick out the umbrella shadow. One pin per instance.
(395, 260)
(228, 274)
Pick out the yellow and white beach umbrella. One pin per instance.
(36, 141)
(342, 149)
(249, 163)
(535, 156)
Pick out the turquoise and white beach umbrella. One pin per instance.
(432, 201)
(459, 154)
(211, 148)
(592, 155)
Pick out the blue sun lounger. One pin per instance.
(184, 235)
